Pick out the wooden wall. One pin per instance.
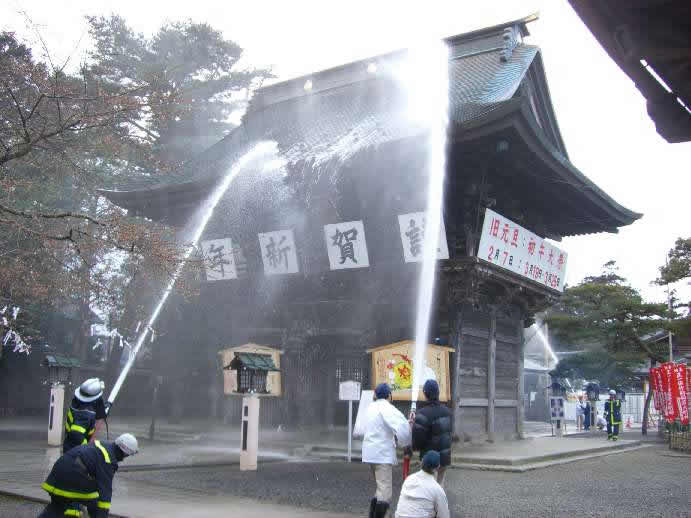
(488, 390)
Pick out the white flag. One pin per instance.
(219, 259)
(346, 245)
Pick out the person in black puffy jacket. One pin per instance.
(432, 428)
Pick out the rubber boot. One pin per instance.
(382, 508)
(372, 508)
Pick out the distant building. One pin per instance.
(536, 381)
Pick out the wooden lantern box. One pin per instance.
(251, 368)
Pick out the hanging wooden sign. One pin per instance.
(393, 364)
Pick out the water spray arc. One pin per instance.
(436, 64)
(208, 210)
(545, 342)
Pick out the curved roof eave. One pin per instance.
(517, 113)
(570, 172)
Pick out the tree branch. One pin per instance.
(57, 215)
(27, 137)
(33, 109)
(144, 129)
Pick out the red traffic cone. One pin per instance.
(628, 422)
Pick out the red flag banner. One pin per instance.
(660, 390)
(655, 388)
(667, 371)
(680, 393)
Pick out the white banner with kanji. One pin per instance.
(346, 245)
(219, 260)
(413, 237)
(512, 247)
(278, 252)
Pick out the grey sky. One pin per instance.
(602, 115)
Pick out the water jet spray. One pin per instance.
(434, 61)
(431, 63)
(208, 209)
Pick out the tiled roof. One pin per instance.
(337, 123)
(59, 360)
(253, 361)
(350, 110)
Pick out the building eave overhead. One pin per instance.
(644, 36)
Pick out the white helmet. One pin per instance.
(612, 392)
(127, 443)
(90, 390)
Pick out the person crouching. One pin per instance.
(421, 494)
(84, 475)
(385, 426)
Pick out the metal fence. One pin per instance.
(680, 441)
(633, 406)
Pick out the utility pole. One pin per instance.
(669, 334)
(669, 307)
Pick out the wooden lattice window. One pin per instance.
(350, 369)
(250, 380)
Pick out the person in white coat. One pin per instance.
(421, 495)
(384, 428)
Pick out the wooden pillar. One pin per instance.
(520, 394)
(491, 372)
(456, 343)
(331, 390)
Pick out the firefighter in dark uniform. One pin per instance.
(84, 475)
(85, 415)
(613, 416)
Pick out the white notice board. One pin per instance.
(349, 391)
(366, 397)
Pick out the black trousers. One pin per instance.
(55, 509)
(612, 429)
(59, 506)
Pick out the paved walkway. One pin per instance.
(141, 499)
(537, 453)
(25, 464)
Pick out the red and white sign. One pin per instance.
(667, 373)
(652, 387)
(679, 390)
(656, 388)
(512, 247)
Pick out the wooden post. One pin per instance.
(520, 395)
(331, 390)
(491, 372)
(456, 343)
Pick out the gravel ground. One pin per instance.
(644, 482)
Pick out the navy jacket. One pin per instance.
(80, 423)
(432, 430)
(85, 474)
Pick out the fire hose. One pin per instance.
(408, 452)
